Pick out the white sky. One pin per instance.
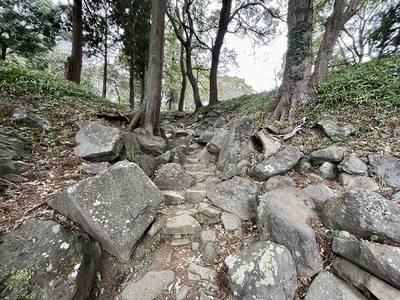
(257, 65)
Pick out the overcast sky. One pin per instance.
(257, 65)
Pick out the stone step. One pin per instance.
(201, 176)
(195, 167)
(195, 195)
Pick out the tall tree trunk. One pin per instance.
(296, 88)
(105, 69)
(334, 24)
(132, 82)
(3, 52)
(184, 80)
(142, 86)
(224, 19)
(74, 62)
(192, 79)
(155, 69)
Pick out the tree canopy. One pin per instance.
(27, 27)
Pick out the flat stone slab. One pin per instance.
(182, 224)
(149, 287)
(387, 168)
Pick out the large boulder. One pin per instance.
(387, 168)
(173, 177)
(115, 207)
(383, 261)
(42, 260)
(328, 286)
(97, 142)
(150, 144)
(27, 117)
(237, 144)
(282, 217)
(11, 150)
(265, 270)
(351, 164)
(237, 195)
(363, 213)
(335, 130)
(331, 154)
(278, 164)
(363, 280)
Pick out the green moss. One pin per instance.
(20, 275)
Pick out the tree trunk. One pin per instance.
(184, 80)
(142, 86)
(224, 19)
(132, 83)
(192, 79)
(105, 69)
(74, 62)
(155, 69)
(296, 88)
(3, 52)
(333, 26)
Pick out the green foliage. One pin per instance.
(28, 27)
(254, 105)
(374, 85)
(39, 82)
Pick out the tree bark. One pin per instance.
(296, 88)
(224, 19)
(184, 80)
(132, 82)
(74, 62)
(3, 52)
(334, 24)
(155, 69)
(105, 69)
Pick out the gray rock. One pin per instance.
(207, 158)
(182, 224)
(328, 170)
(197, 273)
(363, 213)
(172, 197)
(277, 164)
(96, 168)
(11, 148)
(149, 287)
(351, 182)
(237, 143)
(173, 177)
(205, 137)
(237, 195)
(230, 171)
(303, 165)
(97, 142)
(130, 147)
(147, 163)
(335, 130)
(277, 182)
(352, 165)
(282, 218)
(42, 260)
(319, 193)
(25, 116)
(387, 168)
(327, 286)
(330, 154)
(217, 142)
(123, 190)
(380, 260)
(205, 209)
(231, 222)
(179, 242)
(9, 167)
(210, 252)
(183, 292)
(265, 270)
(150, 144)
(195, 195)
(207, 236)
(363, 280)
(163, 158)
